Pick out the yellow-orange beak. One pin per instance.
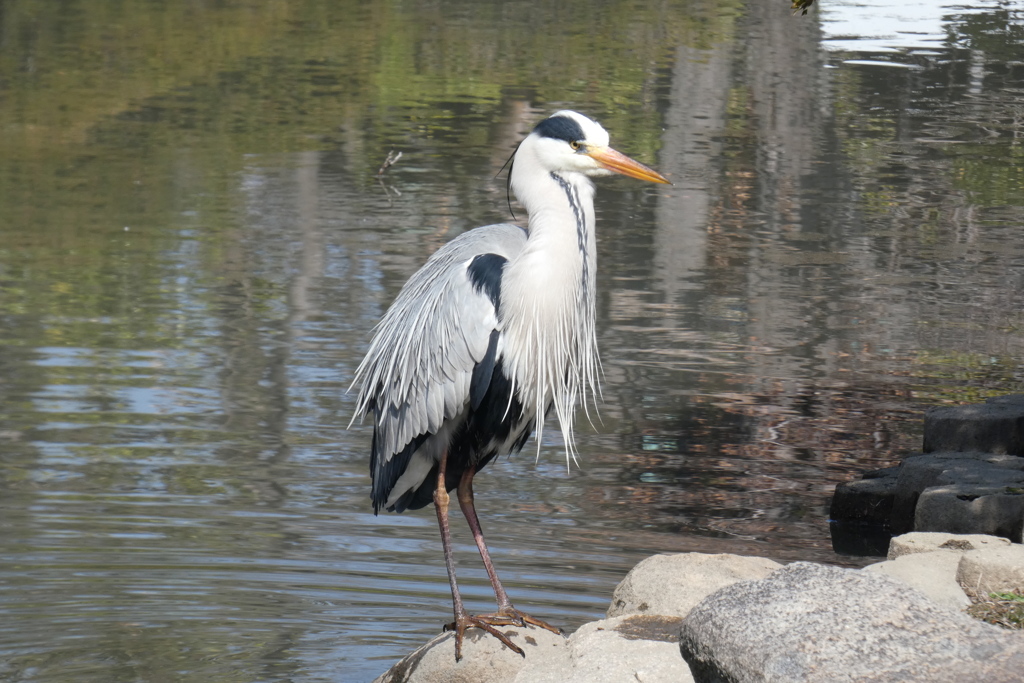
(620, 163)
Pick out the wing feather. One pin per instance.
(418, 371)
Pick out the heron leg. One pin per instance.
(462, 618)
(507, 614)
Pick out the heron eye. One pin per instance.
(575, 144)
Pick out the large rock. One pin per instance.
(671, 585)
(970, 447)
(992, 570)
(973, 509)
(889, 502)
(933, 563)
(928, 541)
(809, 622)
(917, 473)
(987, 427)
(484, 658)
(934, 574)
(804, 622)
(627, 648)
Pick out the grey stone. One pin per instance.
(919, 472)
(933, 573)
(992, 570)
(484, 658)
(986, 427)
(928, 541)
(672, 584)
(809, 622)
(974, 509)
(627, 648)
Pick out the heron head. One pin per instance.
(569, 141)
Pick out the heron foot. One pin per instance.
(464, 621)
(506, 616)
(510, 616)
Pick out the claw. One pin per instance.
(506, 616)
(465, 621)
(510, 616)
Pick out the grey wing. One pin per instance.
(418, 373)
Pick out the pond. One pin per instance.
(195, 246)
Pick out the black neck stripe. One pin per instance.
(572, 194)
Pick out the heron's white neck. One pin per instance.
(559, 205)
(548, 292)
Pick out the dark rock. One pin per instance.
(988, 427)
(970, 469)
(859, 540)
(866, 513)
(920, 472)
(1014, 399)
(973, 509)
(866, 501)
(809, 622)
(860, 512)
(884, 473)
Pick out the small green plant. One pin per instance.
(1007, 597)
(1001, 609)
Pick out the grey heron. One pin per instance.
(495, 330)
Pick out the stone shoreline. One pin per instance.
(728, 618)
(698, 617)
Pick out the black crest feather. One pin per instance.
(560, 128)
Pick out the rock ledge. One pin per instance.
(697, 617)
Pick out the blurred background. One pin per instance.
(195, 246)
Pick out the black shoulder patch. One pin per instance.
(485, 273)
(560, 128)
